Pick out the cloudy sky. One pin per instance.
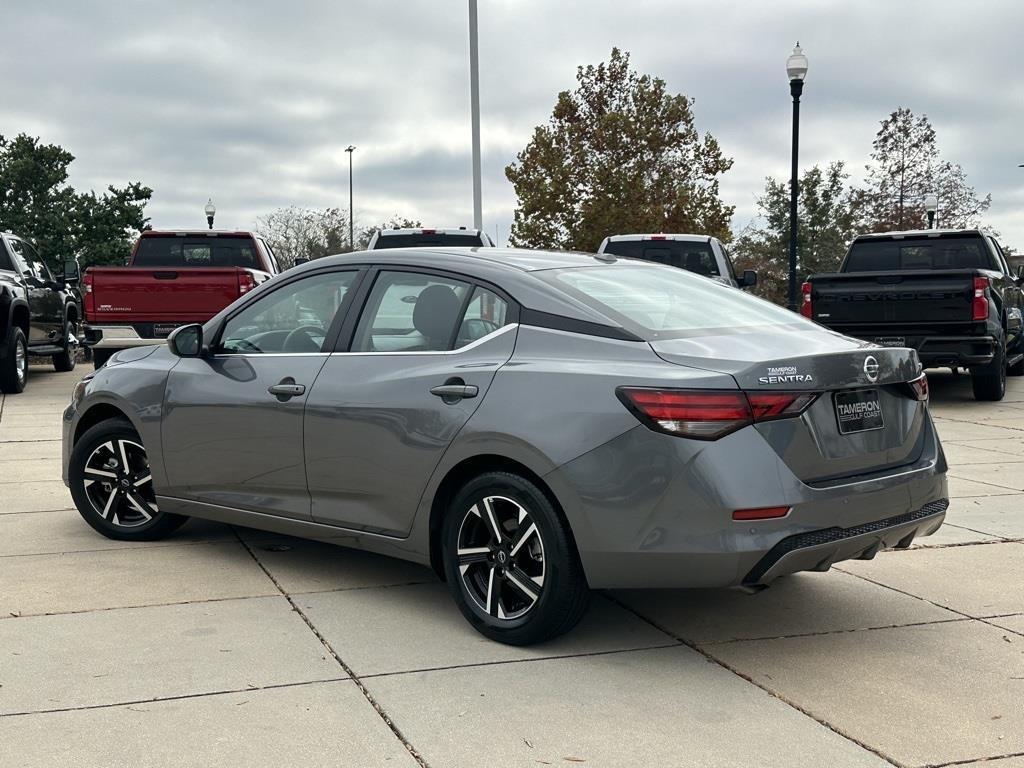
(252, 103)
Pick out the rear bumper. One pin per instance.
(820, 550)
(116, 337)
(939, 351)
(651, 510)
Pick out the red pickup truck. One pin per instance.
(172, 279)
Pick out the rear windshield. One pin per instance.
(693, 257)
(467, 240)
(918, 253)
(196, 252)
(659, 303)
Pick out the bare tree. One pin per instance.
(307, 233)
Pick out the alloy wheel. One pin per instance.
(21, 362)
(118, 483)
(501, 557)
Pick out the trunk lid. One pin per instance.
(844, 371)
(170, 294)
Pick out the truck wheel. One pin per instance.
(14, 365)
(100, 357)
(65, 361)
(989, 383)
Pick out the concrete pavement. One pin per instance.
(230, 647)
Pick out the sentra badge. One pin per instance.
(786, 374)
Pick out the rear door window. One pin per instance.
(411, 312)
(486, 313)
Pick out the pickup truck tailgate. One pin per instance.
(886, 298)
(181, 295)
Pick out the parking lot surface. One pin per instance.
(232, 647)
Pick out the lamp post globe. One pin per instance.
(211, 210)
(796, 70)
(931, 205)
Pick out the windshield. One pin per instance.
(693, 257)
(918, 253)
(467, 240)
(196, 252)
(659, 303)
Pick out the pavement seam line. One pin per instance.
(561, 657)
(395, 730)
(179, 697)
(778, 697)
(826, 632)
(974, 760)
(983, 482)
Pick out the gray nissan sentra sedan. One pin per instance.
(532, 425)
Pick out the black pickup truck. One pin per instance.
(39, 315)
(949, 294)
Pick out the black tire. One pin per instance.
(510, 613)
(14, 365)
(989, 382)
(65, 361)
(100, 357)
(97, 472)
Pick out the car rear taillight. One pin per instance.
(919, 388)
(710, 414)
(805, 304)
(88, 297)
(979, 307)
(246, 282)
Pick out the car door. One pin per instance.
(46, 303)
(385, 408)
(232, 424)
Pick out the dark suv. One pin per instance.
(39, 315)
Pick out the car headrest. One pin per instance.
(435, 313)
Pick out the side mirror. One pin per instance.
(749, 279)
(72, 271)
(186, 341)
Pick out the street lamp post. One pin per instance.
(351, 212)
(796, 68)
(474, 108)
(931, 204)
(211, 211)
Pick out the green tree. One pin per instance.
(829, 218)
(37, 203)
(619, 154)
(905, 166)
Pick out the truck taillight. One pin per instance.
(710, 414)
(805, 303)
(246, 282)
(979, 307)
(88, 297)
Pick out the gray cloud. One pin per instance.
(252, 103)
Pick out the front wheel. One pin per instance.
(510, 562)
(112, 486)
(65, 361)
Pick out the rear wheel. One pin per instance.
(510, 562)
(989, 382)
(14, 365)
(112, 486)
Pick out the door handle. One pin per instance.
(454, 391)
(287, 389)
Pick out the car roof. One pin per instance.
(514, 270)
(197, 233)
(430, 230)
(899, 235)
(659, 236)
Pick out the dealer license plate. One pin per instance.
(161, 330)
(891, 341)
(858, 411)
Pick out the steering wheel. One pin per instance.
(305, 334)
